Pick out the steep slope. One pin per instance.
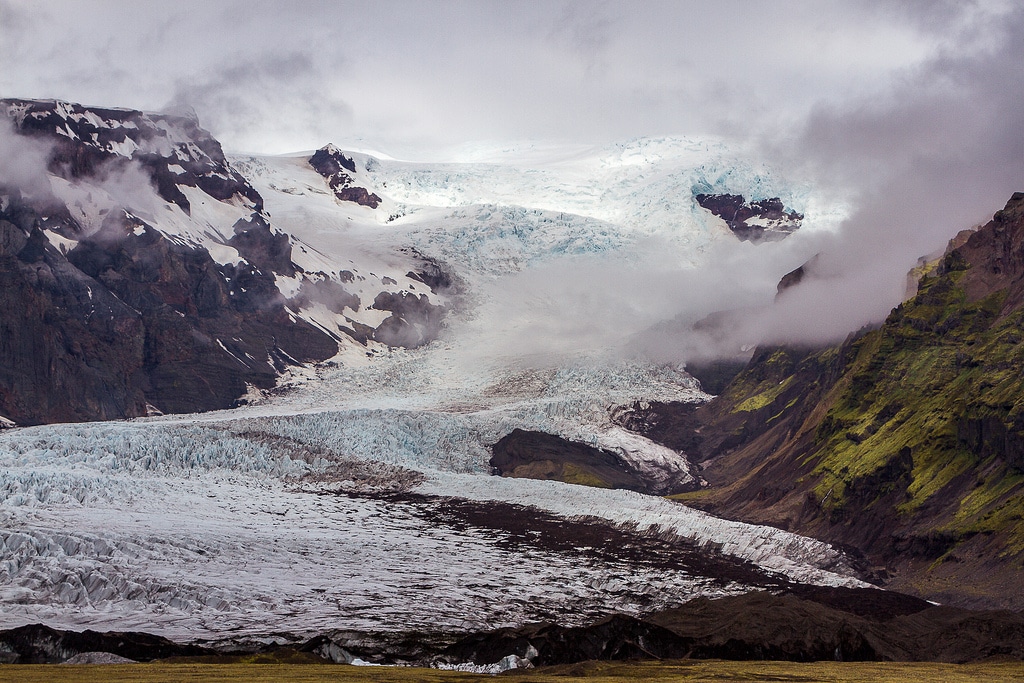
(105, 313)
(143, 273)
(904, 442)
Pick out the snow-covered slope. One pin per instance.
(274, 524)
(506, 208)
(362, 500)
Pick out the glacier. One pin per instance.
(297, 518)
(357, 494)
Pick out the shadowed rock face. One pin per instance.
(338, 169)
(91, 141)
(414, 321)
(538, 455)
(127, 317)
(69, 349)
(763, 220)
(38, 644)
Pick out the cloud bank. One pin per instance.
(909, 112)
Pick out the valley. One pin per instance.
(258, 403)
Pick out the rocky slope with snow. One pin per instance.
(143, 273)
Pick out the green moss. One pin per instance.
(779, 414)
(763, 398)
(937, 358)
(574, 474)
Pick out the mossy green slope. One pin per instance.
(907, 441)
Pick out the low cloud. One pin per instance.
(23, 161)
(938, 152)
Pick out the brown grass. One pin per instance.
(590, 672)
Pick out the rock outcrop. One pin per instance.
(339, 169)
(538, 455)
(756, 221)
(105, 316)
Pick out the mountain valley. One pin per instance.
(261, 403)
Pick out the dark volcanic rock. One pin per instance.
(773, 222)
(538, 455)
(824, 624)
(338, 169)
(95, 142)
(208, 330)
(38, 644)
(433, 274)
(414, 321)
(267, 249)
(69, 349)
(128, 316)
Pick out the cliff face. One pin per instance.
(102, 315)
(906, 442)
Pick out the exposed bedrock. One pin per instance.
(38, 644)
(128, 317)
(756, 221)
(539, 455)
(89, 142)
(414, 321)
(339, 169)
(807, 624)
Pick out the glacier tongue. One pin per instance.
(365, 505)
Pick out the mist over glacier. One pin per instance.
(584, 277)
(368, 475)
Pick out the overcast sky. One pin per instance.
(284, 76)
(912, 110)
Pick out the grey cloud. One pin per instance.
(248, 99)
(23, 161)
(585, 30)
(917, 120)
(943, 152)
(940, 150)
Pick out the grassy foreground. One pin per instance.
(591, 672)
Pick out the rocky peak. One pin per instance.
(173, 150)
(756, 221)
(993, 256)
(339, 169)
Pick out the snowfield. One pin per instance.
(359, 495)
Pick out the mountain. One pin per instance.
(143, 274)
(350, 309)
(904, 442)
(147, 272)
(343, 305)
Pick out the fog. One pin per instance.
(908, 113)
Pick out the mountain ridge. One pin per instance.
(903, 442)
